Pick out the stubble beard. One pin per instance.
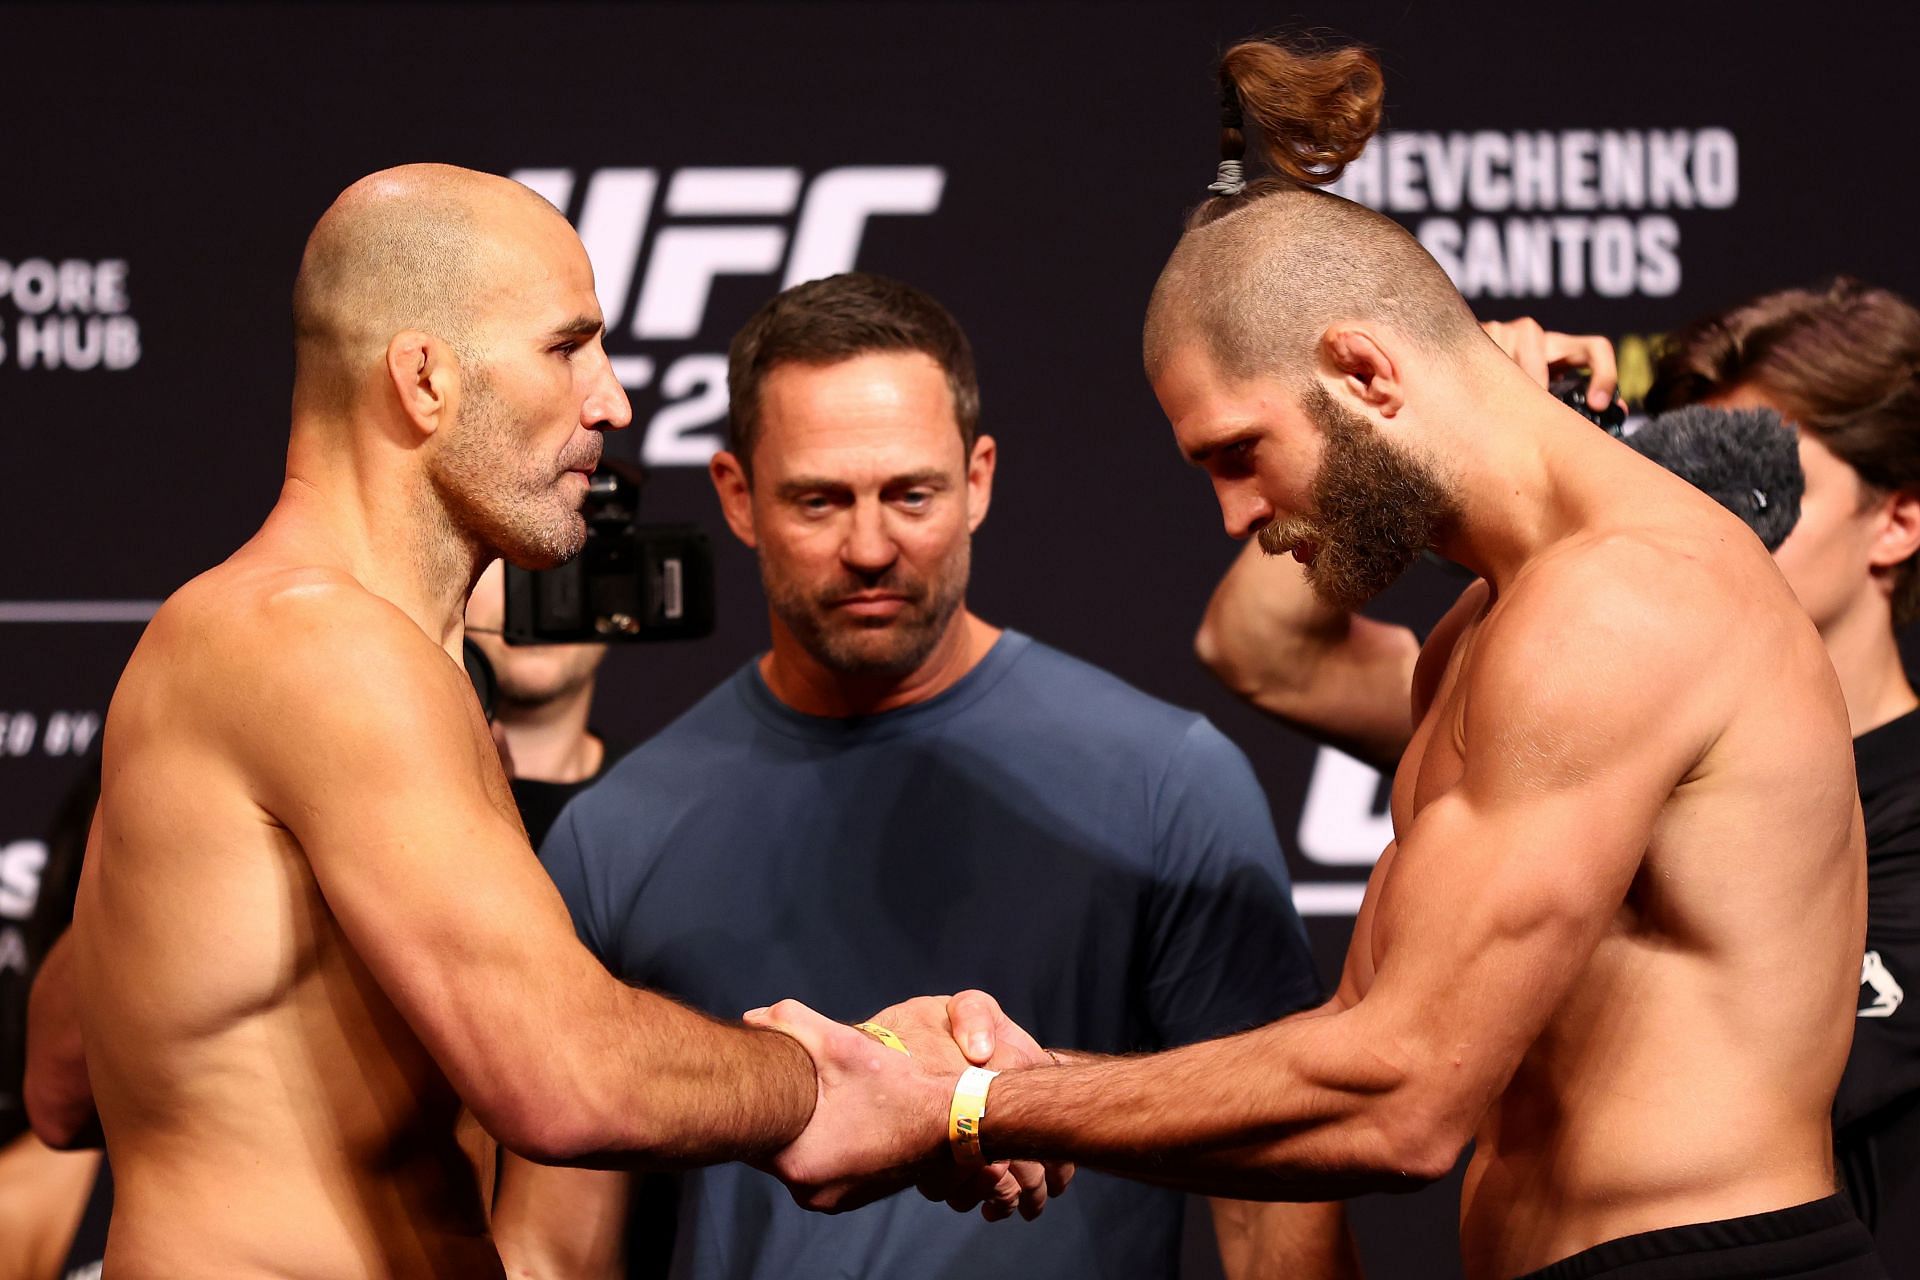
(499, 494)
(1376, 508)
(891, 647)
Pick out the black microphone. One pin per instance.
(1747, 460)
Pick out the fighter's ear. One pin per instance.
(425, 375)
(1358, 357)
(735, 490)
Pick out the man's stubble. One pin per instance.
(496, 491)
(895, 647)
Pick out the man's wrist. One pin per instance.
(965, 1113)
(796, 1081)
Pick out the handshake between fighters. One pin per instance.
(899, 1103)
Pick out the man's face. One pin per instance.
(535, 393)
(862, 506)
(528, 675)
(1306, 475)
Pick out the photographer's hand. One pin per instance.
(1540, 351)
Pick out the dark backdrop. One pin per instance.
(1616, 170)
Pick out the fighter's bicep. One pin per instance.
(377, 763)
(1488, 919)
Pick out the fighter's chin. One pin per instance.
(548, 549)
(1338, 582)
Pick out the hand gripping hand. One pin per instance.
(880, 1117)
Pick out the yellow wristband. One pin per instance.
(968, 1110)
(883, 1035)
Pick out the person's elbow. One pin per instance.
(1223, 654)
(554, 1129)
(60, 1110)
(570, 1121)
(1415, 1142)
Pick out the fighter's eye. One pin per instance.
(916, 499)
(564, 349)
(1235, 459)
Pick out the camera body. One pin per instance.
(631, 582)
(1570, 389)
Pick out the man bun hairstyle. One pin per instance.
(1841, 360)
(824, 322)
(1266, 266)
(1315, 109)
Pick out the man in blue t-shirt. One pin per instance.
(900, 797)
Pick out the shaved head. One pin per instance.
(447, 340)
(1262, 280)
(1264, 268)
(416, 247)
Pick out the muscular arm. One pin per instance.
(392, 788)
(1498, 893)
(59, 1095)
(1334, 675)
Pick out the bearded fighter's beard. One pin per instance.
(1376, 508)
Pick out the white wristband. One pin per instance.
(964, 1116)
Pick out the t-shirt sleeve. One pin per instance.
(1884, 1065)
(564, 856)
(1226, 949)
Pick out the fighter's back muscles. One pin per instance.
(309, 907)
(1579, 744)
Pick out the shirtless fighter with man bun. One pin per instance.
(1616, 941)
(310, 926)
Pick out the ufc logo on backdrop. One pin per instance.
(659, 241)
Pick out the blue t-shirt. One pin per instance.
(1103, 863)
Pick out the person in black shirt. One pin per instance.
(543, 698)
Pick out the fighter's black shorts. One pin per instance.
(1822, 1240)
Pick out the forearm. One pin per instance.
(1293, 1111)
(58, 1093)
(1337, 676)
(648, 1083)
(1265, 631)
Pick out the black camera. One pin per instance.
(630, 582)
(1570, 389)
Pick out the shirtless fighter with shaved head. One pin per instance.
(310, 926)
(1617, 939)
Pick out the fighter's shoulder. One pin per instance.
(1602, 646)
(272, 635)
(1636, 593)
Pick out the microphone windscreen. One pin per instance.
(1747, 460)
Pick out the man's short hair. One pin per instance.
(823, 322)
(1842, 361)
